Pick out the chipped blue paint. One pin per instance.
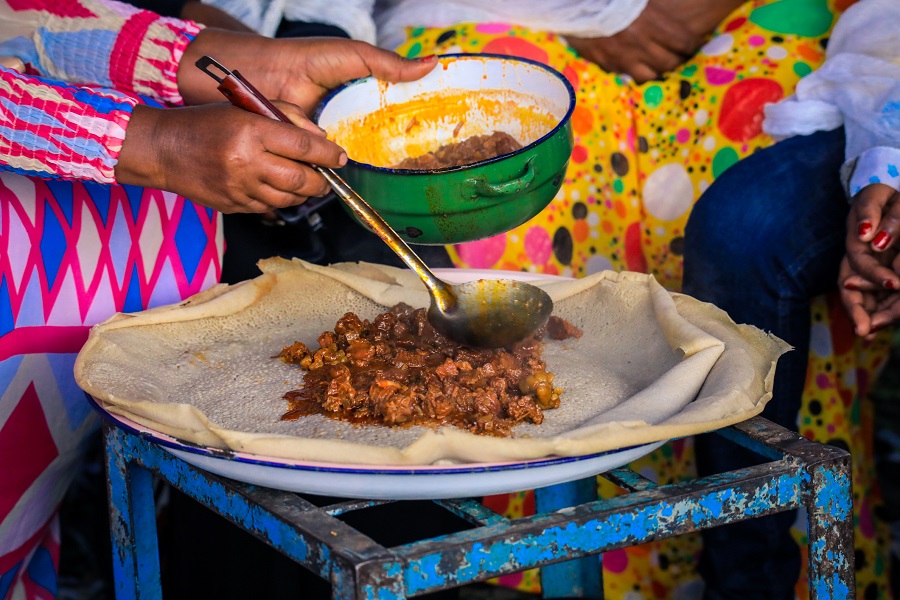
(636, 526)
(712, 505)
(426, 574)
(831, 587)
(817, 546)
(832, 495)
(380, 594)
(392, 571)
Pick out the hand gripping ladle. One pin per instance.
(487, 313)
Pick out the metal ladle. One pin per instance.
(487, 313)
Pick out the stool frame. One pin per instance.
(572, 526)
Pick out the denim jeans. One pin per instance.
(761, 242)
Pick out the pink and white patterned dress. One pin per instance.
(74, 246)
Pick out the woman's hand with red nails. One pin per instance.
(877, 208)
(869, 277)
(873, 225)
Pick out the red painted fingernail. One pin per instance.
(890, 284)
(882, 239)
(864, 228)
(429, 58)
(851, 286)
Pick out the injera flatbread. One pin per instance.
(650, 366)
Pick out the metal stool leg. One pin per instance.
(825, 491)
(831, 548)
(579, 578)
(133, 524)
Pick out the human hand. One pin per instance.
(227, 158)
(663, 37)
(868, 281)
(872, 228)
(296, 70)
(870, 308)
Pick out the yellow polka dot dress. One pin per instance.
(643, 154)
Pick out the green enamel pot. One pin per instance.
(379, 124)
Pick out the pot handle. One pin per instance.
(514, 186)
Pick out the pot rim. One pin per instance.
(465, 56)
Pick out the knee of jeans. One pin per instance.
(733, 235)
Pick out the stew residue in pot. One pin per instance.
(471, 150)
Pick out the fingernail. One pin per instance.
(427, 59)
(882, 239)
(851, 286)
(342, 159)
(890, 284)
(864, 228)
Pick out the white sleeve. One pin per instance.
(583, 18)
(880, 164)
(353, 16)
(264, 16)
(858, 85)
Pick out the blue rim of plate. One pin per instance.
(174, 443)
(466, 56)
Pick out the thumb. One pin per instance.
(390, 66)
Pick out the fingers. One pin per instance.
(651, 46)
(658, 60)
(390, 66)
(641, 72)
(871, 265)
(226, 158)
(299, 118)
(294, 182)
(670, 33)
(889, 227)
(299, 145)
(870, 207)
(886, 313)
(854, 302)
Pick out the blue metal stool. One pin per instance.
(799, 473)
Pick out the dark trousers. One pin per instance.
(761, 243)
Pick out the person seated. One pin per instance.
(776, 230)
(670, 96)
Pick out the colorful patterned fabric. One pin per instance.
(58, 131)
(74, 252)
(97, 42)
(643, 155)
(51, 129)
